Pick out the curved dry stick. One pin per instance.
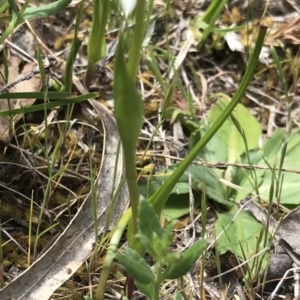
(75, 244)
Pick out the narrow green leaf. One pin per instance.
(97, 43)
(167, 236)
(45, 10)
(136, 266)
(37, 95)
(187, 260)
(73, 52)
(129, 117)
(128, 102)
(41, 107)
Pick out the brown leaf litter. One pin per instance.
(16, 71)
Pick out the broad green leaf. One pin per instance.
(179, 205)
(290, 188)
(241, 236)
(291, 181)
(229, 133)
(136, 266)
(187, 260)
(97, 41)
(272, 146)
(199, 175)
(150, 231)
(240, 174)
(216, 149)
(242, 177)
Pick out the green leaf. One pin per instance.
(241, 236)
(146, 289)
(38, 95)
(128, 102)
(45, 10)
(179, 205)
(129, 117)
(167, 236)
(183, 116)
(136, 266)
(230, 134)
(41, 107)
(271, 153)
(150, 231)
(199, 175)
(241, 174)
(76, 44)
(187, 260)
(216, 149)
(149, 221)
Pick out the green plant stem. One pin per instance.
(111, 252)
(97, 46)
(156, 291)
(158, 281)
(138, 37)
(210, 16)
(131, 177)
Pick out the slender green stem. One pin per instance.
(139, 33)
(97, 46)
(111, 252)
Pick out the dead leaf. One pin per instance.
(34, 84)
(286, 31)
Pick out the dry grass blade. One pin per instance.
(76, 243)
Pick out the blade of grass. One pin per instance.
(76, 44)
(138, 37)
(37, 95)
(49, 105)
(210, 16)
(97, 44)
